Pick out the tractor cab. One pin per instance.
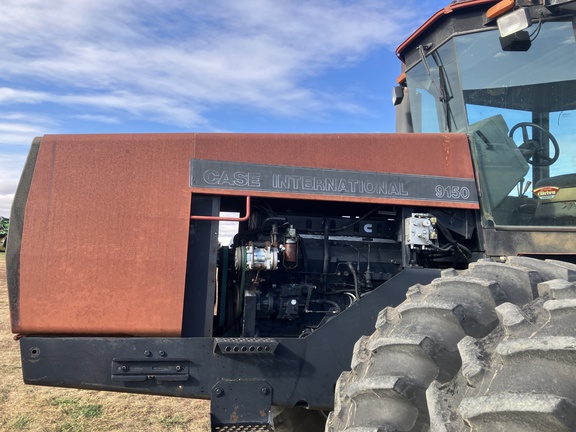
(505, 75)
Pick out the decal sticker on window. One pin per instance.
(546, 192)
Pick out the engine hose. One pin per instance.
(223, 288)
(453, 244)
(326, 250)
(302, 250)
(240, 303)
(355, 276)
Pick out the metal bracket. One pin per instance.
(241, 405)
(130, 370)
(245, 345)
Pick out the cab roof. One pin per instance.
(456, 5)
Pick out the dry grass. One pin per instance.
(29, 408)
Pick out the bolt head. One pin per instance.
(218, 392)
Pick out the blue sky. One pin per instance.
(107, 66)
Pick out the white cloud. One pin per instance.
(8, 95)
(152, 107)
(10, 169)
(98, 118)
(18, 128)
(175, 62)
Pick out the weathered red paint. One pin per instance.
(423, 154)
(445, 155)
(105, 235)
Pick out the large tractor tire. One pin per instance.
(520, 378)
(401, 375)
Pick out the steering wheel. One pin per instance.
(531, 147)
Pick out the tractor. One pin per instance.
(421, 280)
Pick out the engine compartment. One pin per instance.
(293, 266)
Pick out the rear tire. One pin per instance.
(416, 344)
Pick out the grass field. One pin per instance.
(30, 408)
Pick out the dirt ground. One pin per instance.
(30, 408)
